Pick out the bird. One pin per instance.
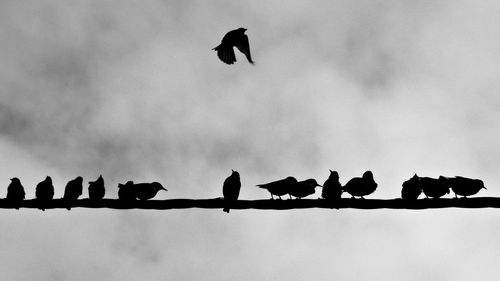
(463, 186)
(231, 188)
(126, 191)
(15, 191)
(411, 188)
(145, 191)
(303, 188)
(363, 186)
(73, 190)
(279, 187)
(96, 189)
(234, 38)
(332, 189)
(433, 188)
(44, 191)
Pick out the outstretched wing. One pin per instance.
(244, 47)
(225, 54)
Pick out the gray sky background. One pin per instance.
(132, 90)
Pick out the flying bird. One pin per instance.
(411, 188)
(363, 186)
(231, 188)
(44, 191)
(332, 189)
(234, 38)
(126, 191)
(145, 191)
(73, 190)
(303, 188)
(463, 186)
(15, 191)
(96, 189)
(279, 187)
(433, 188)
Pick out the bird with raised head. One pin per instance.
(44, 191)
(360, 187)
(303, 188)
(411, 188)
(231, 189)
(73, 190)
(97, 189)
(279, 187)
(15, 191)
(145, 191)
(332, 189)
(234, 38)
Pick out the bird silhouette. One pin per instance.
(463, 186)
(145, 191)
(15, 191)
(126, 191)
(73, 190)
(303, 188)
(332, 189)
(411, 188)
(96, 189)
(234, 38)
(361, 186)
(279, 187)
(231, 189)
(433, 188)
(44, 191)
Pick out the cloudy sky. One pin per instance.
(131, 90)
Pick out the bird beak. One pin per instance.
(485, 187)
(164, 188)
(319, 185)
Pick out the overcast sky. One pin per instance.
(132, 90)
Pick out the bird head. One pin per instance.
(291, 180)
(16, 180)
(334, 175)
(79, 179)
(48, 179)
(312, 182)
(480, 183)
(157, 186)
(242, 29)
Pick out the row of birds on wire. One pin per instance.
(332, 189)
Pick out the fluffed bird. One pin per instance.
(303, 188)
(279, 187)
(234, 38)
(231, 188)
(363, 186)
(463, 186)
(411, 188)
(332, 189)
(15, 191)
(126, 191)
(145, 191)
(433, 188)
(44, 191)
(73, 190)
(96, 189)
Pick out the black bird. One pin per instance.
(332, 189)
(15, 191)
(73, 190)
(44, 191)
(303, 188)
(361, 186)
(234, 38)
(463, 186)
(279, 187)
(96, 189)
(126, 191)
(231, 188)
(411, 188)
(145, 191)
(433, 187)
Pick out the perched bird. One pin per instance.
(96, 189)
(361, 186)
(234, 38)
(73, 190)
(15, 191)
(433, 187)
(145, 191)
(332, 189)
(463, 186)
(126, 191)
(231, 188)
(411, 188)
(279, 187)
(303, 188)
(44, 191)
